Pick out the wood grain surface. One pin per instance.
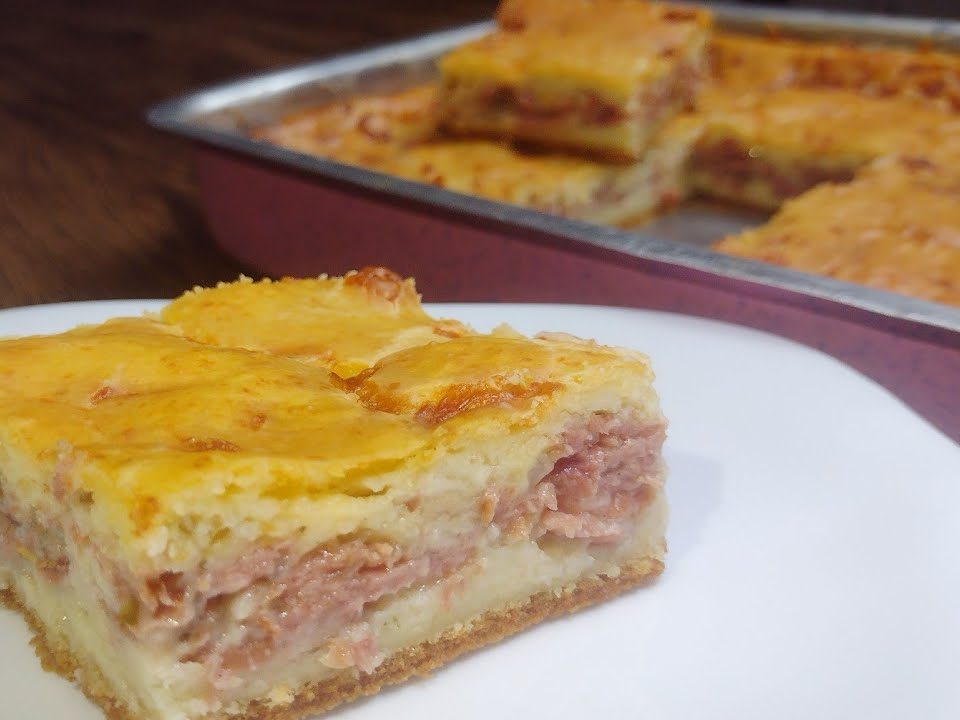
(95, 204)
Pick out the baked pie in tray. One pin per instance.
(271, 498)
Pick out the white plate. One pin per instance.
(813, 570)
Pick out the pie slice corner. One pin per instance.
(204, 519)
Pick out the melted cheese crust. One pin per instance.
(344, 324)
(608, 45)
(188, 437)
(365, 130)
(749, 63)
(846, 126)
(895, 227)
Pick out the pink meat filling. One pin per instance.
(272, 601)
(608, 470)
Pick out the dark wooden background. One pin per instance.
(93, 203)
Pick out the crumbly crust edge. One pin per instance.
(420, 660)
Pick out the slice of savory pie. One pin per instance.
(599, 76)
(762, 148)
(895, 227)
(396, 133)
(752, 63)
(201, 520)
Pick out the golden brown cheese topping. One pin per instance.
(148, 422)
(813, 123)
(608, 44)
(451, 378)
(367, 130)
(895, 227)
(345, 324)
(750, 63)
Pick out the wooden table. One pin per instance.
(93, 203)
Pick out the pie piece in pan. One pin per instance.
(276, 497)
(762, 148)
(896, 227)
(595, 76)
(396, 133)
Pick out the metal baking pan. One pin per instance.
(287, 213)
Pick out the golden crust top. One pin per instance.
(140, 423)
(832, 123)
(205, 426)
(451, 378)
(610, 45)
(749, 63)
(895, 227)
(366, 130)
(344, 324)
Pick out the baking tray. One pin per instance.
(288, 213)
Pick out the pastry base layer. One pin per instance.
(56, 656)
